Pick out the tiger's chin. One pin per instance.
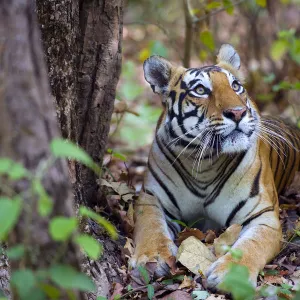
(236, 142)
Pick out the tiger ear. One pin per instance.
(228, 55)
(157, 72)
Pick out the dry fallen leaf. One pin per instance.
(121, 188)
(210, 237)
(273, 279)
(194, 255)
(186, 283)
(187, 232)
(227, 238)
(178, 295)
(128, 247)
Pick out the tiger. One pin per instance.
(214, 156)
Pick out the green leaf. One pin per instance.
(51, 291)
(61, 228)
(278, 49)
(101, 298)
(262, 3)
(85, 212)
(150, 291)
(229, 6)
(168, 281)
(10, 210)
(207, 39)
(236, 254)
(45, 203)
(16, 252)
(68, 278)
(90, 246)
(236, 282)
(144, 273)
(286, 286)
(23, 281)
(65, 149)
(14, 170)
(212, 5)
(17, 172)
(179, 222)
(119, 156)
(5, 165)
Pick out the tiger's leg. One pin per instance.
(153, 240)
(259, 242)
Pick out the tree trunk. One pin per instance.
(28, 125)
(83, 46)
(82, 42)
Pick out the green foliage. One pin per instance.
(286, 42)
(65, 149)
(207, 39)
(61, 228)
(117, 154)
(24, 281)
(144, 273)
(13, 170)
(86, 212)
(236, 282)
(45, 203)
(262, 3)
(16, 252)
(10, 210)
(150, 291)
(67, 277)
(36, 285)
(90, 246)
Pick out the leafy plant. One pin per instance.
(50, 281)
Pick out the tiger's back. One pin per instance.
(284, 151)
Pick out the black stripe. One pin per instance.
(170, 195)
(224, 179)
(245, 223)
(234, 212)
(180, 77)
(255, 184)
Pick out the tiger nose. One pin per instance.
(235, 114)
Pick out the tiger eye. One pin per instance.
(235, 86)
(200, 90)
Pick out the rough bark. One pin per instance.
(29, 124)
(82, 40)
(59, 23)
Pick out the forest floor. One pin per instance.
(280, 276)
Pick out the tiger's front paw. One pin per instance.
(163, 256)
(217, 271)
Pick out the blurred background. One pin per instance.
(265, 33)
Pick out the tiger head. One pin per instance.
(206, 105)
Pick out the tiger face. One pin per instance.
(206, 107)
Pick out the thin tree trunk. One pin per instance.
(28, 125)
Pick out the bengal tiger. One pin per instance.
(214, 155)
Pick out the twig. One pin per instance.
(188, 34)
